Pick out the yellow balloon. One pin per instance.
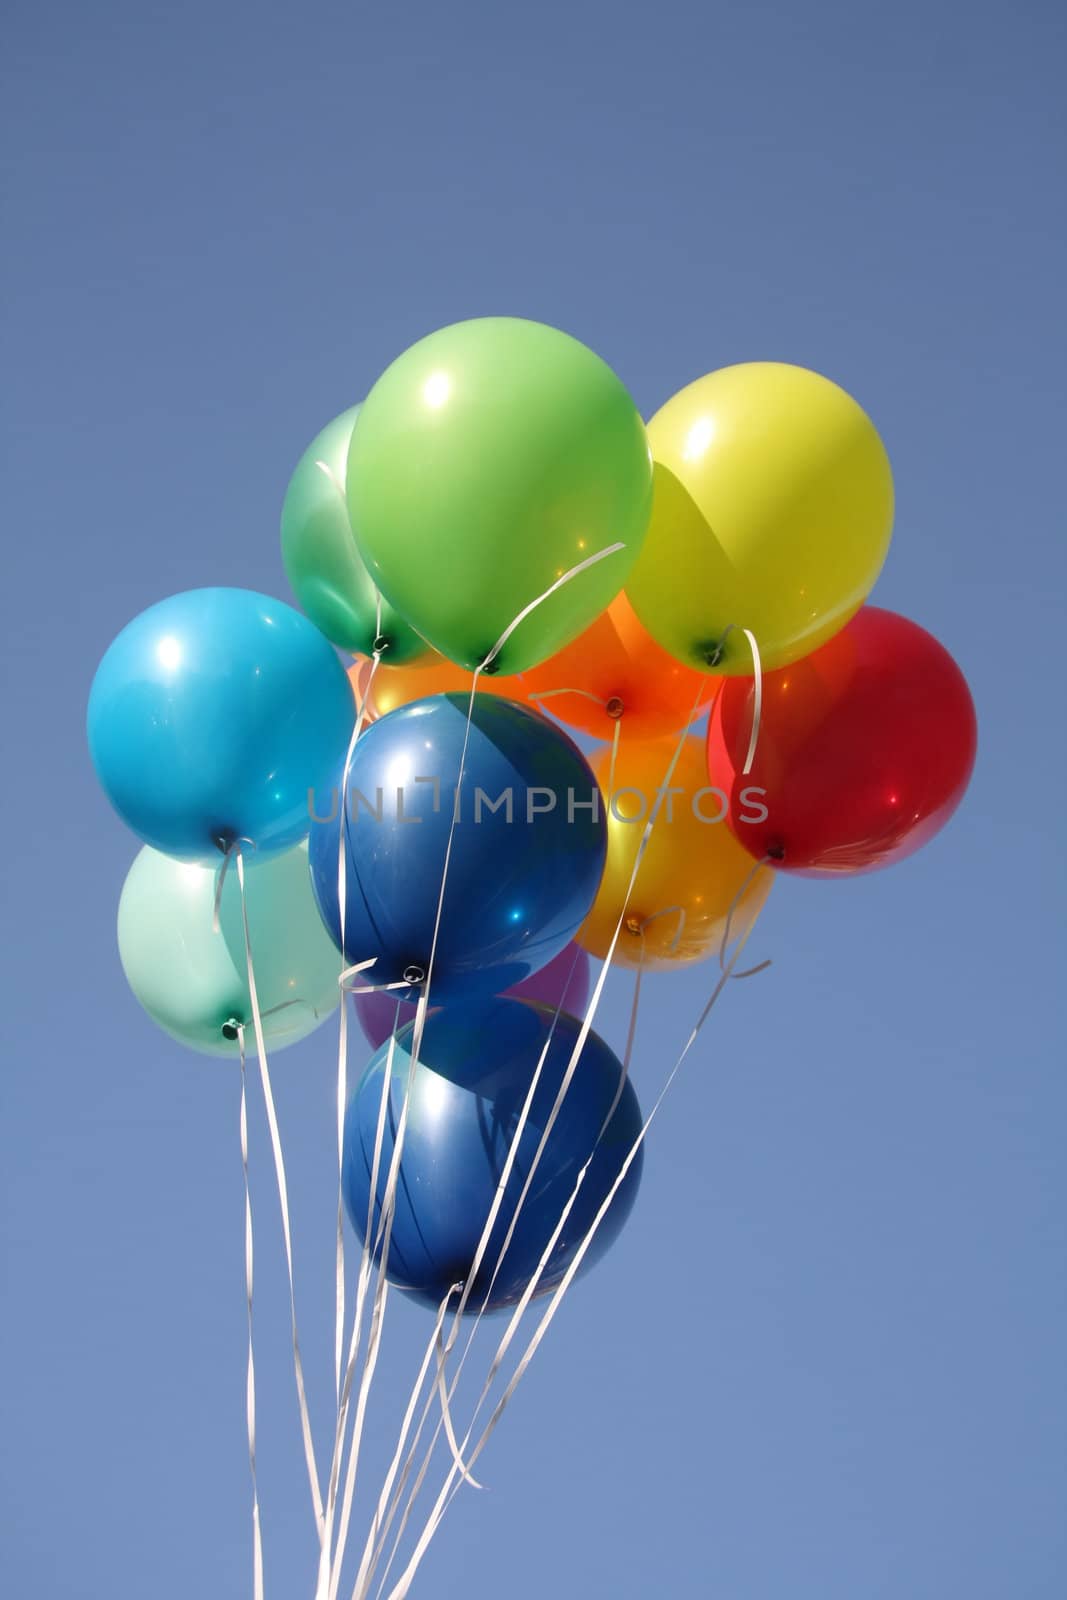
(692, 869)
(772, 510)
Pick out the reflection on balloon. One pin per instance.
(476, 1066)
(192, 978)
(772, 511)
(692, 871)
(489, 460)
(865, 749)
(526, 855)
(211, 716)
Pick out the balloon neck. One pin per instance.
(491, 668)
(381, 644)
(614, 708)
(414, 974)
(711, 652)
(775, 852)
(633, 925)
(225, 840)
(231, 1029)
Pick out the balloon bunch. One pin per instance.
(503, 547)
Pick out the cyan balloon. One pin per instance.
(193, 981)
(527, 850)
(321, 559)
(475, 1068)
(212, 716)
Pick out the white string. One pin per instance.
(250, 1379)
(389, 1199)
(342, 1043)
(363, 1281)
(401, 1589)
(757, 704)
(749, 879)
(371, 1545)
(565, 578)
(283, 1196)
(564, 1087)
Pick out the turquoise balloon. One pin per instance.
(212, 717)
(322, 563)
(193, 981)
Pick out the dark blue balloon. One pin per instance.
(212, 716)
(475, 1069)
(521, 877)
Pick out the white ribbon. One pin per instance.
(458, 1464)
(283, 1195)
(402, 1587)
(250, 1379)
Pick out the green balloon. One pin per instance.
(322, 562)
(193, 981)
(487, 461)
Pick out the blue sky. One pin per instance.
(826, 1357)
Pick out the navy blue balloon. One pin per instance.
(520, 882)
(475, 1069)
(212, 716)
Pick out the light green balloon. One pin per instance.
(193, 981)
(488, 460)
(322, 562)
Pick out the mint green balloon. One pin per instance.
(487, 461)
(193, 981)
(322, 562)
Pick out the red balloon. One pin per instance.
(865, 749)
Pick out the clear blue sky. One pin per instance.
(826, 1359)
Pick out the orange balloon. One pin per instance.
(692, 870)
(632, 679)
(358, 677)
(398, 686)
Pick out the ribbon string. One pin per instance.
(283, 1194)
(447, 1493)
(546, 1132)
(250, 1378)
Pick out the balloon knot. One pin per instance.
(231, 1029)
(414, 974)
(381, 644)
(633, 925)
(614, 708)
(775, 852)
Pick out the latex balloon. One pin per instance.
(865, 750)
(773, 507)
(321, 559)
(487, 461)
(193, 981)
(399, 686)
(475, 1069)
(616, 673)
(691, 873)
(563, 985)
(211, 716)
(526, 857)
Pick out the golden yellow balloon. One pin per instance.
(772, 510)
(692, 869)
